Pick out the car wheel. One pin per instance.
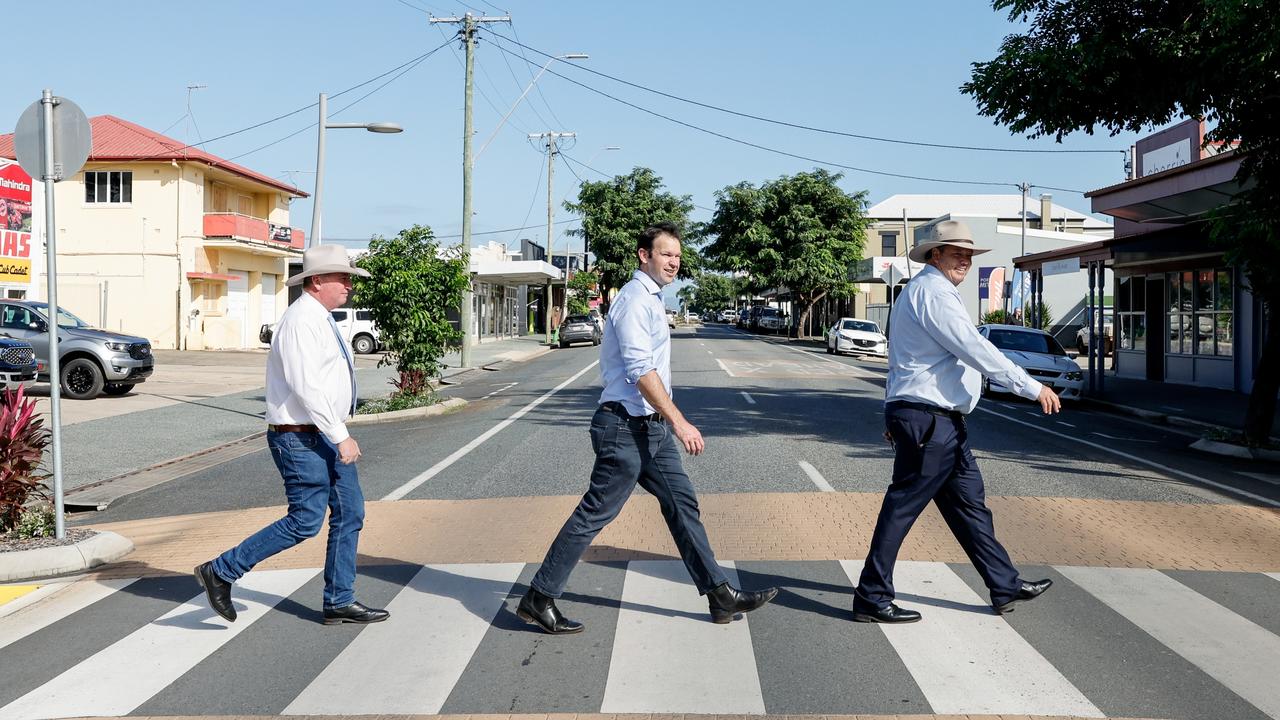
(363, 344)
(564, 344)
(81, 379)
(595, 341)
(117, 388)
(831, 350)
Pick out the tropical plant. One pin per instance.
(581, 286)
(23, 439)
(414, 285)
(996, 317)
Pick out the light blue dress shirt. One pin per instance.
(937, 356)
(636, 342)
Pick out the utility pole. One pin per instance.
(468, 35)
(553, 149)
(1021, 294)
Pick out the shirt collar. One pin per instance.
(310, 304)
(649, 285)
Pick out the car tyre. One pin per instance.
(831, 350)
(81, 379)
(116, 389)
(363, 344)
(564, 344)
(595, 341)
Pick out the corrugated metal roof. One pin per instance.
(1001, 206)
(115, 139)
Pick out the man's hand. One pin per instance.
(1049, 401)
(348, 451)
(689, 437)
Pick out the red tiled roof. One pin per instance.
(115, 139)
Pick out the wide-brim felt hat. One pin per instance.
(947, 232)
(325, 259)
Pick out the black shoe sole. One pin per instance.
(354, 621)
(209, 596)
(530, 619)
(864, 618)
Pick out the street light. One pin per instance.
(378, 127)
(596, 154)
(527, 88)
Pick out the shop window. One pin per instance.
(1200, 313)
(888, 244)
(1131, 306)
(108, 186)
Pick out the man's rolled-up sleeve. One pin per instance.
(630, 325)
(946, 319)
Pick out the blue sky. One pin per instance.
(875, 68)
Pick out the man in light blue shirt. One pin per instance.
(635, 433)
(937, 360)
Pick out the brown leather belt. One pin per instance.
(293, 428)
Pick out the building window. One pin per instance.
(103, 186)
(1131, 306)
(888, 244)
(1201, 306)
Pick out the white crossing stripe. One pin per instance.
(964, 657)
(669, 658)
(409, 665)
(816, 477)
(50, 604)
(121, 677)
(1234, 651)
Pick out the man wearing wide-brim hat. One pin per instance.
(311, 392)
(937, 360)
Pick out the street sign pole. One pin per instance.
(51, 176)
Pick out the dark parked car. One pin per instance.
(579, 328)
(18, 364)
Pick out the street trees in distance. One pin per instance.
(800, 232)
(615, 212)
(712, 292)
(581, 285)
(1080, 65)
(414, 285)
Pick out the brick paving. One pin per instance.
(757, 526)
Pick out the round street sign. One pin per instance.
(72, 140)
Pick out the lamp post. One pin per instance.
(379, 127)
(527, 88)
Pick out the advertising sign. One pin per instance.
(984, 281)
(15, 221)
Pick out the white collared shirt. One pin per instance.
(937, 356)
(636, 342)
(308, 376)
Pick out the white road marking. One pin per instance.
(725, 368)
(461, 452)
(1273, 479)
(965, 658)
(710, 353)
(438, 621)
(662, 644)
(853, 369)
(117, 680)
(1066, 423)
(746, 396)
(1121, 439)
(41, 608)
(1230, 648)
(816, 477)
(504, 387)
(1163, 468)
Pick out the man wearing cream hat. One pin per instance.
(311, 391)
(936, 362)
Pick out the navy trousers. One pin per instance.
(631, 450)
(933, 462)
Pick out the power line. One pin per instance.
(538, 88)
(575, 172)
(537, 190)
(810, 128)
(514, 229)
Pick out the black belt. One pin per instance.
(293, 428)
(618, 409)
(924, 407)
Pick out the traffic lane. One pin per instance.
(392, 453)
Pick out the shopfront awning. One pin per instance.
(1176, 196)
(516, 272)
(220, 277)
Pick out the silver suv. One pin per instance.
(91, 361)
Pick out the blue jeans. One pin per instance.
(313, 480)
(630, 450)
(932, 462)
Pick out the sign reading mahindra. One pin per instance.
(15, 221)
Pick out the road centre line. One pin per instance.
(746, 396)
(461, 452)
(816, 477)
(1135, 458)
(504, 387)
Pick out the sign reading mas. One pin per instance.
(15, 223)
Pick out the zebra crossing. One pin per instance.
(1104, 642)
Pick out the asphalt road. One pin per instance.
(775, 417)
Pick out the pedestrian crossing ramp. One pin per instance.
(1104, 642)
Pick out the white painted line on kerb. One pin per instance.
(816, 477)
(1135, 458)
(746, 396)
(461, 452)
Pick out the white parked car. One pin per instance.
(854, 335)
(354, 324)
(728, 316)
(1040, 355)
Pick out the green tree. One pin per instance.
(712, 292)
(1124, 66)
(614, 212)
(413, 287)
(582, 285)
(801, 232)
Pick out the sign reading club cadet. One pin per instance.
(15, 223)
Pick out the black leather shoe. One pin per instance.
(355, 613)
(538, 609)
(888, 614)
(726, 601)
(217, 590)
(1026, 591)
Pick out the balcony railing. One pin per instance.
(245, 227)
